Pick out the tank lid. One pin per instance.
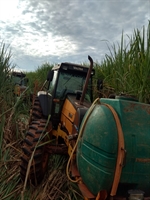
(135, 192)
(127, 98)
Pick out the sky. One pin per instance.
(55, 31)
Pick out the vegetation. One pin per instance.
(14, 119)
(125, 70)
(37, 78)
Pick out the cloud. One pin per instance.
(69, 30)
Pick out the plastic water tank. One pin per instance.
(97, 148)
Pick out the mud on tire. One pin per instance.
(32, 148)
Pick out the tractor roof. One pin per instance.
(73, 67)
(19, 74)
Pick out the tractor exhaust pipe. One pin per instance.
(87, 80)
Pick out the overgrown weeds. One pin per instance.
(14, 117)
(126, 69)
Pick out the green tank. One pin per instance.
(98, 146)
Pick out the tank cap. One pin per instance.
(127, 98)
(136, 195)
(135, 192)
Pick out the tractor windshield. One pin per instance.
(72, 83)
(18, 80)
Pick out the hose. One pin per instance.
(79, 136)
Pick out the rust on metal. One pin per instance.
(102, 195)
(85, 191)
(74, 170)
(57, 149)
(143, 160)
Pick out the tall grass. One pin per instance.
(9, 123)
(38, 77)
(5, 83)
(14, 117)
(126, 69)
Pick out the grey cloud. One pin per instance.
(87, 24)
(91, 18)
(12, 30)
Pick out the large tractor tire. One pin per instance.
(33, 149)
(36, 112)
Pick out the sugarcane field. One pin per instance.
(74, 131)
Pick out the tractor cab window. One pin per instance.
(24, 81)
(16, 80)
(53, 83)
(71, 83)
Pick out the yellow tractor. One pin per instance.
(106, 140)
(57, 112)
(20, 81)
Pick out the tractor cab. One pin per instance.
(19, 78)
(66, 82)
(20, 82)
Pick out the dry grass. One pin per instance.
(14, 116)
(55, 184)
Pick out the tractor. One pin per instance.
(20, 81)
(107, 139)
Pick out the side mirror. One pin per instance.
(99, 84)
(50, 75)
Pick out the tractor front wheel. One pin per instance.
(34, 158)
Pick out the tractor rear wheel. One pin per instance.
(34, 158)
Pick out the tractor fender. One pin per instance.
(45, 100)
